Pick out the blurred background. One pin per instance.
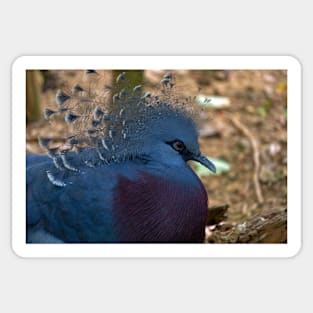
(242, 116)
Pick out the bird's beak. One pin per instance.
(204, 161)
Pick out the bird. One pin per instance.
(122, 175)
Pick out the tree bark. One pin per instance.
(270, 226)
(34, 82)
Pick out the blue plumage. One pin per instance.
(123, 179)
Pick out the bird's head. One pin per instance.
(132, 125)
(168, 134)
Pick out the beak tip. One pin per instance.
(206, 162)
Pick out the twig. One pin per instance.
(256, 156)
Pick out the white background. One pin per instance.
(149, 28)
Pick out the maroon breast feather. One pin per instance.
(158, 209)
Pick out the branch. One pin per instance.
(269, 226)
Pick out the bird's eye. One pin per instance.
(178, 145)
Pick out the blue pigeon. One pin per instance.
(121, 176)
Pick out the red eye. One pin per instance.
(178, 146)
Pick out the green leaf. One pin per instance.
(221, 167)
(262, 111)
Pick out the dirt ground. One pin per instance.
(257, 100)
